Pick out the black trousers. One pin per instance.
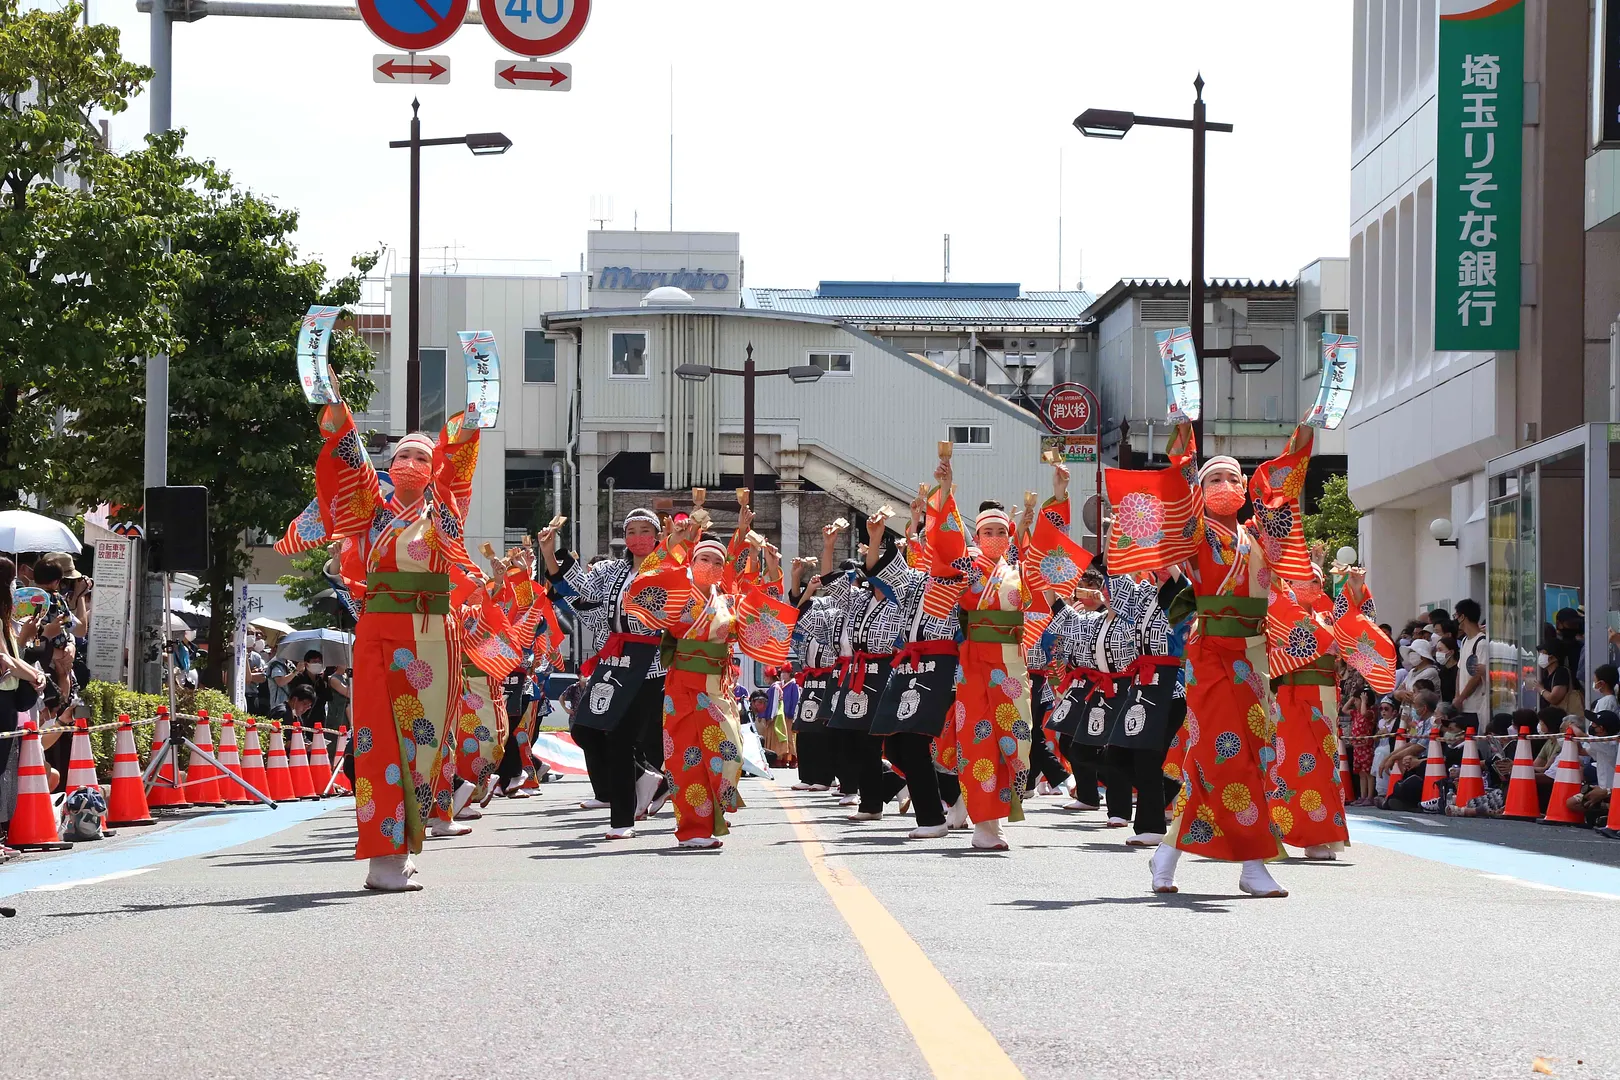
(863, 758)
(817, 757)
(950, 788)
(1116, 783)
(627, 751)
(909, 752)
(1045, 763)
(1086, 787)
(511, 765)
(593, 745)
(847, 757)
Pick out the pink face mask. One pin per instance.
(411, 475)
(994, 547)
(705, 574)
(1225, 500)
(641, 545)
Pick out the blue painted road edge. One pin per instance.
(1532, 866)
(136, 848)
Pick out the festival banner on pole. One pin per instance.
(1183, 388)
(314, 333)
(1478, 175)
(483, 374)
(1338, 381)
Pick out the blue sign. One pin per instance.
(413, 25)
(699, 280)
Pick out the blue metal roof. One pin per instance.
(859, 302)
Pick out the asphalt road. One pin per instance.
(539, 949)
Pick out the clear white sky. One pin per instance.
(840, 138)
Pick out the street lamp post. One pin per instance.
(480, 143)
(1114, 124)
(749, 372)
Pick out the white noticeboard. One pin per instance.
(109, 609)
(239, 647)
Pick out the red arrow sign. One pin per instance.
(551, 75)
(432, 69)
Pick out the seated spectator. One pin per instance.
(1411, 759)
(312, 673)
(1605, 680)
(1421, 672)
(1598, 778)
(300, 701)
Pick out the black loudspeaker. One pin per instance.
(177, 529)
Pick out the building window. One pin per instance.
(834, 363)
(970, 435)
(539, 357)
(431, 399)
(1322, 322)
(629, 354)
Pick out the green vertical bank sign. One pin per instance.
(1479, 171)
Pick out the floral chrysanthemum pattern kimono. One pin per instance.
(1224, 752)
(987, 737)
(493, 647)
(408, 644)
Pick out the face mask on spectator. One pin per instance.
(1541, 660)
(1405, 641)
(316, 669)
(1441, 656)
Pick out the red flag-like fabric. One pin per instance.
(658, 599)
(1294, 636)
(765, 627)
(1279, 519)
(948, 560)
(1051, 559)
(1155, 520)
(1365, 647)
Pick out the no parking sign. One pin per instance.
(413, 25)
(534, 27)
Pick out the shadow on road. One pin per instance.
(257, 905)
(1207, 905)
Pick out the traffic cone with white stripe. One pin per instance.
(202, 779)
(320, 767)
(126, 803)
(279, 783)
(298, 765)
(33, 823)
(1612, 826)
(340, 779)
(1471, 777)
(1566, 783)
(253, 758)
(164, 793)
(1522, 799)
(230, 787)
(1347, 780)
(1434, 767)
(1395, 770)
(82, 762)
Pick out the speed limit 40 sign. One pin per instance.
(535, 27)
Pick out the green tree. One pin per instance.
(84, 269)
(304, 586)
(1336, 519)
(239, 424)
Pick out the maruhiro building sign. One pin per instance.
(1478, 175)
(625, 277)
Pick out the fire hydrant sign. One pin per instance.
(1478, 175)
(534, 28)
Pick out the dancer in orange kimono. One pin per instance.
(702, 730)
(399, 552)
(988, 734)
(1224, 750)
(1305, 801)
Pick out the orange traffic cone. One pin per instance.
(164, 793)
(1566, 783)
(1434, 768)
(1522, 800)
(1471, 777)
(340, 779)
(1347, 780)
(253, 758)
(1612, 827)
(1395, 770)
(82, 762)
(320, 766)
(278, 778)
(33, 823)
(230, 789)
(126, 804)
(202, 778)
(298, 766)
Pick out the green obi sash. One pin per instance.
(994, 627)
(408, 593)
(701, 657)
(1231, 616)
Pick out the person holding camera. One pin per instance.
(312, 673)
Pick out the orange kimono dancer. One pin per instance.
(1223, 752)
(987, 735)
(407, 651)
(702, 728)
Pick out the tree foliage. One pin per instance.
(305, 585)
(1336, 520)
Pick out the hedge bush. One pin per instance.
(108, 700)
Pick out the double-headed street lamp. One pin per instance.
(803, 373)
(480, 143)
(1115, 124)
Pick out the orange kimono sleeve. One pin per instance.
(1279, 519)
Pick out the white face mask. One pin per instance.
(1441, 656)
(1541, 660)
(315, 669)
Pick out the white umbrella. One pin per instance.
(276, 625)
(21, 530)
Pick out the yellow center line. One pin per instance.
(952, 1040)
